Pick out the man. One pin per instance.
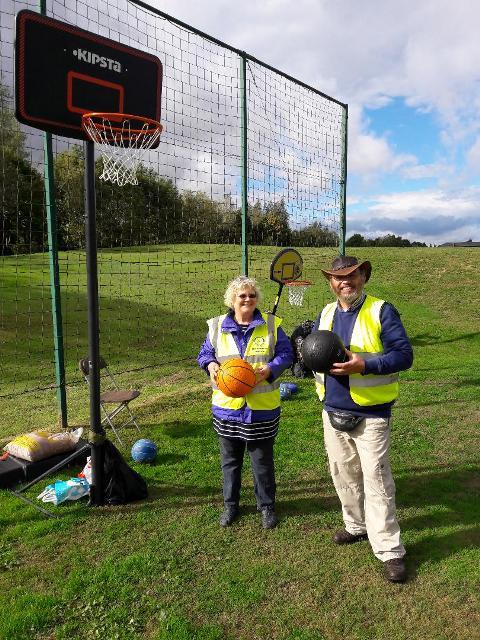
(358, 396)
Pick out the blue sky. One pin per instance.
(408, 130)
(409, 72)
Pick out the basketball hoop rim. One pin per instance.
(298, 283)
(153, 126)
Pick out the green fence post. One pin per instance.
(54, 271)
(343, 184)
(55, 280)
(244, 160)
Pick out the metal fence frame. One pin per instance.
(49, 181)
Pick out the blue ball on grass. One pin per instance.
(144, 450)
(285, 392)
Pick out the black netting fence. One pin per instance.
(168, 246)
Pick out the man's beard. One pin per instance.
(350, 298)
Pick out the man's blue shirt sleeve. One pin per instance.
(398, 353)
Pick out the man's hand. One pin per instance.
(354, 364)
(263, 372)
(213, 368)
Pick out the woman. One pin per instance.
(252, 422)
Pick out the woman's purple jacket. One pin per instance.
(282, 359)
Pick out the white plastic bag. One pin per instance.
(62, 490)
(87, 471)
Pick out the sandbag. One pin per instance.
(38, 445)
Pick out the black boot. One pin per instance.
(269, 518)
(228, 516)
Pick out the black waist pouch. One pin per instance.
(344, 421)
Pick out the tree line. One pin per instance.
(22, 219)
(388, 240)
(152, 212)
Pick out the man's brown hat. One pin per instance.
(344, 265)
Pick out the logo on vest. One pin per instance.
(258, 346)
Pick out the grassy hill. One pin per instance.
(163, 568)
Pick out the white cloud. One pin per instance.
(424, 171)
(364, 53)
(432, 216)
(370, 155)
(367, 54)
(401, 204)
(473, 159)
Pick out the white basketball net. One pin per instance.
(123, 143)
(296, 291)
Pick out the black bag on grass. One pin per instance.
(122, 484)
(299, 369)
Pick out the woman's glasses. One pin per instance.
(244, 296)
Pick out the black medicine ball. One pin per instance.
(321, 349)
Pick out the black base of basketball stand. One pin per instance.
(18, 492)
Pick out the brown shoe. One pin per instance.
(344, 537)
(395, 570)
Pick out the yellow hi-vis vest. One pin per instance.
(370, 389)
(260, 350)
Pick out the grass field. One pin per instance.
(163, 568)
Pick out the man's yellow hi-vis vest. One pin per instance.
(370, 389)
(260, 350)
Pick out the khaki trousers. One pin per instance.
(363, 480)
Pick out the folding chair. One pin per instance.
(113, 396)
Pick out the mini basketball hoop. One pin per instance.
(123, 140)
(296, 291)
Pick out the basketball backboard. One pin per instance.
(286, 266)
(62, 72)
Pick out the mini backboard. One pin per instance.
(63, 72)
(286, 266)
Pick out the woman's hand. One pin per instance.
(213, 368)
(354, 364)
(263, 372)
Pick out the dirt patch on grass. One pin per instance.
(174, 378)
(174, 398)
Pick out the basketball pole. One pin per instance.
(97, 432)
(277, 299)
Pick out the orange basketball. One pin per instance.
(236, 378)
